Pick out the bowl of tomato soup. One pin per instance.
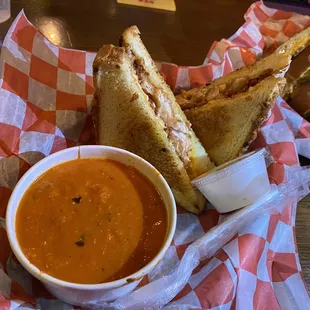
(90, 222)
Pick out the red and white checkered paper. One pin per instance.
(45, 102)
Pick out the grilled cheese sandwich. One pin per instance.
(136, 110)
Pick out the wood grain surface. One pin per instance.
(303, 237)
(303, 231)
(183, 37)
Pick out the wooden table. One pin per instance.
(183, 37)
(302, 232)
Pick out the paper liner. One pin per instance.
(45, 101)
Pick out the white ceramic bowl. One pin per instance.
(84, 294)
(237, 183)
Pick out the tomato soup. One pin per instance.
(91, 221)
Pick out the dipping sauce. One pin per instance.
(90, 221)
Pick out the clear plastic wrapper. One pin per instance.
(170, 282)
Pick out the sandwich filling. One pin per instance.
(178, 132)
(215, 91)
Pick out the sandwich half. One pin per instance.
(227, 114)
(135, 110)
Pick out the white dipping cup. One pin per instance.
(237, 183)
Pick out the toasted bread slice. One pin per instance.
(154, 84)
(295, 44)
(298, 75)
(227, 126)
(235, 82)
(124, 118)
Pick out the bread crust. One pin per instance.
(235, 82)
(298, 76)
(295, 44)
